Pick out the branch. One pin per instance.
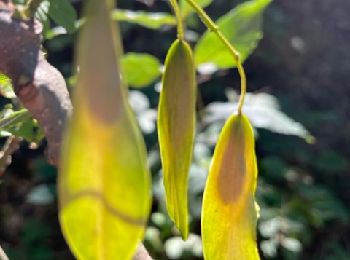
(39, 86)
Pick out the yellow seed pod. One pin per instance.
(104, 183)
(176, 129)
(229, 212)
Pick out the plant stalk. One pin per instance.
(177, 12)
(210, 24)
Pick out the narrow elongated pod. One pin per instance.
(176, 128)
(229, 212)
(104, 183)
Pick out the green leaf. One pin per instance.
(10, 118)
(11, 121)
(176, 128)
(21, 124)
(229, 212)
(146, 19)
(63, 13)
(104, 183)
(30, 131)
(186, 9)
(4, 79)
(241, 26)
(42, 14)
(6, 87)
(140, 69)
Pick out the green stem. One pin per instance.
(210, 24)
(177, 12)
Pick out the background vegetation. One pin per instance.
(299, 69)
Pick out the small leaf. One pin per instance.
(176, 126)
(42, 15)
(140, 69)
(241, 26)
(186, 9)
(63, 13)
(146, 19)
(28, 129)
(104, 183)
(9, 118)
(54, 32)
(3, 78)
(229, 213)
(21, 124)
(6, 87)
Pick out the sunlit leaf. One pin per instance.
(176, 125)
(241, 26)
(54, 32)
(10, 118)
(146, 19)
(6, 87)
(104, 183)
(21, 124)
(3, 78)
(140, 69)
(229, 213)
(263, 110)
(42, 14)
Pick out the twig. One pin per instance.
(10, 146)
(235, 54)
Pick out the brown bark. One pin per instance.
(39, 86)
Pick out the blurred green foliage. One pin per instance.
(303, 188)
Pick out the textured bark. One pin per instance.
(39, 86)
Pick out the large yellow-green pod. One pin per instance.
(176, 129)
(104, 182)
(229, 212)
